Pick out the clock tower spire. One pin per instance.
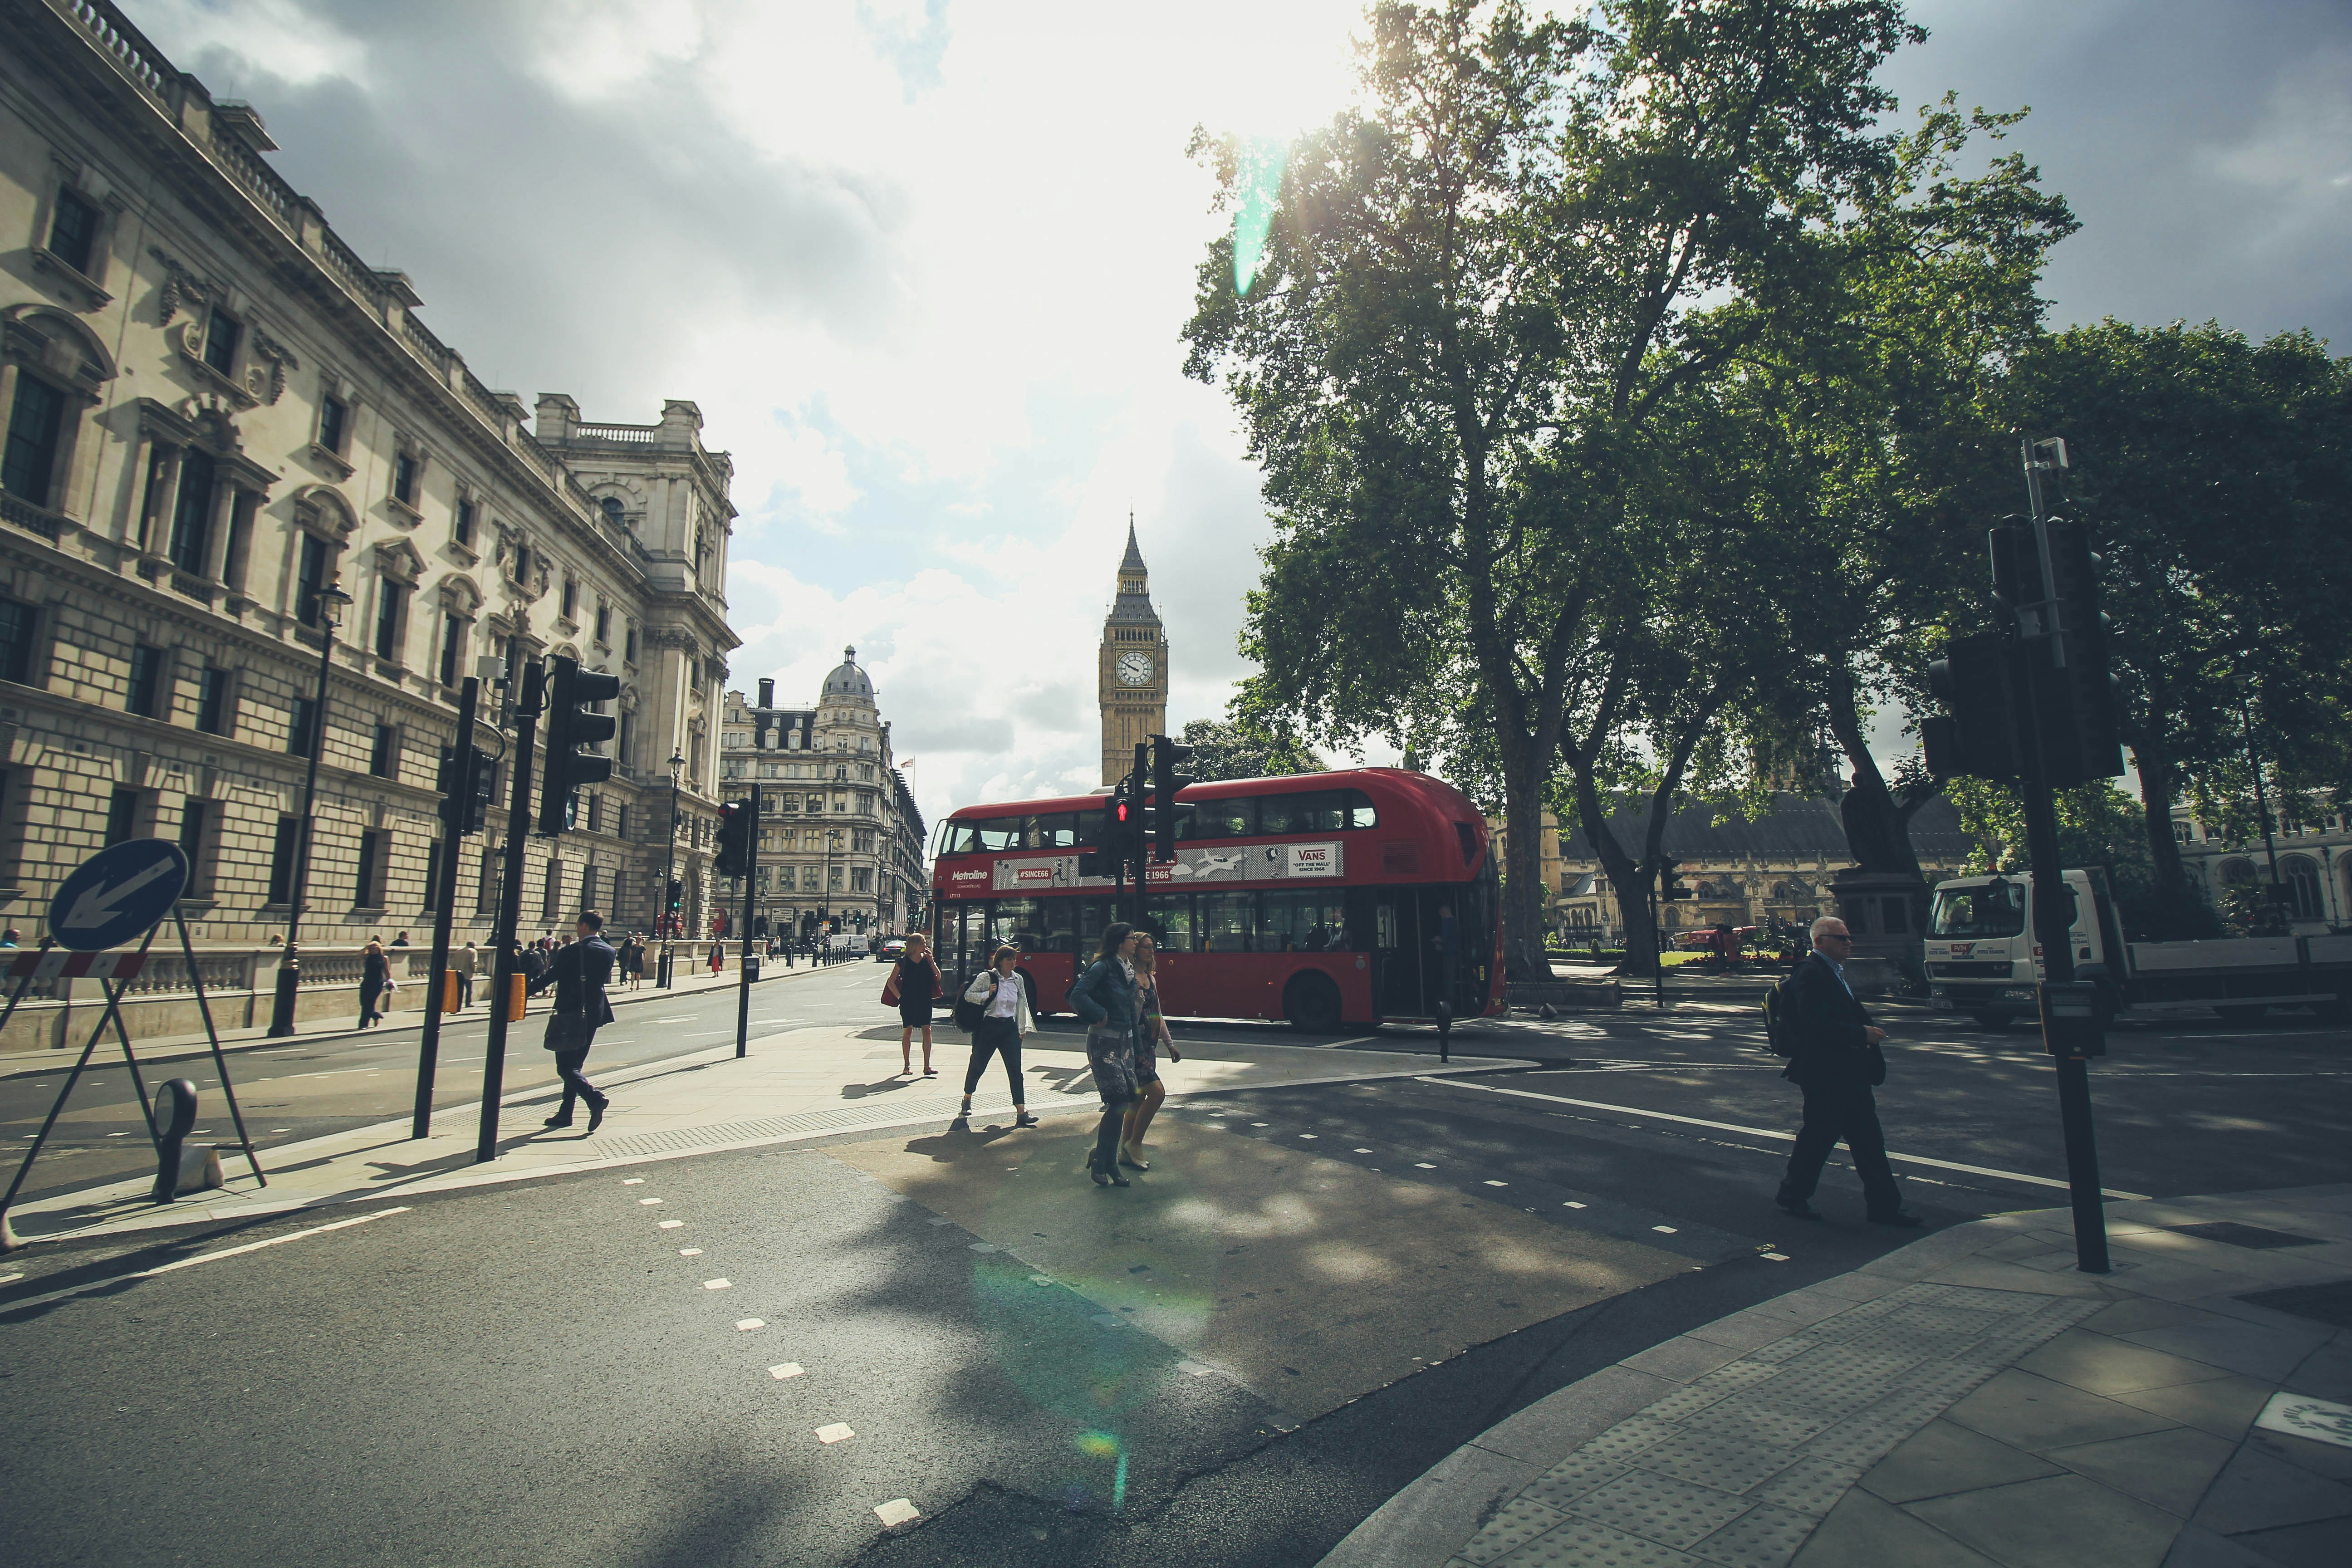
(1133, 680)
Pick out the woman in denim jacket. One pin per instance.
(1104, 999)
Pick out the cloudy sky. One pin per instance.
(922, 264)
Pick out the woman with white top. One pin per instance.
(1002, 998)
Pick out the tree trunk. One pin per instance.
(1624, 875)
(1877, 829)
(2179, 914)
(1524, 894)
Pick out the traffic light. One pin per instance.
(2082, 728)
(1976, 736)
(572, 722)
(676, 897)
(1670, 886)
(1167, 815)
(1095, 843)
(468, 783)
(736, 827)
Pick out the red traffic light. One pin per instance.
(1121, 809)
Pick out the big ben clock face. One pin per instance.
(1135, 669)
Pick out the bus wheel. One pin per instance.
(1311, 1003)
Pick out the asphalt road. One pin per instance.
(305, 1089)
(536, 1372)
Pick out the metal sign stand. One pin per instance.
(220, 1062)
(116, 983)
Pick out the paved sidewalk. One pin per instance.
(1969, 1400)
(179, 1048)
(806, 1082)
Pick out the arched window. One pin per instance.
(2301, 875)
(2235, 871)
(612, 507)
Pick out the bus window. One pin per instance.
(963, 837)
(1170, 917)
(1094, 918)
(1058, 830)
(1305, 922)
(1290, 813)
(1228, 922)
(1000, 833)
(1224, 819)
(1018, 923)
(1361, 811)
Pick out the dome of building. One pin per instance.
(848, 680)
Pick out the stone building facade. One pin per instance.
(2314, 865)
(217, 411)
(840, 838)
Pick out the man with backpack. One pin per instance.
(1815, 1020)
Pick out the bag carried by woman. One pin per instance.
(974, 1000)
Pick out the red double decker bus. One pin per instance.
(1318, 898)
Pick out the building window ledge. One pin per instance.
(402, 512)
(195, 587)
(463, 552)
(331, 460)
(75, 279)
(370, 910)
(228, 387)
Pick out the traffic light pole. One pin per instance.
(445, 901)
(494, 1058)
(743, 969)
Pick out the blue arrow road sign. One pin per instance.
(117, 894)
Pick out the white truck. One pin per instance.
(1982, 959)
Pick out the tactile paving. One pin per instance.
(1811, 1486)
(1658, 1507)
(1521, 1521)
(1730, 1463)
(1763, 1537)
(1582, 1544)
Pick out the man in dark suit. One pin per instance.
(579, 973)
(1836, 1062)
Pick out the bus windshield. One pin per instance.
(1995, 909)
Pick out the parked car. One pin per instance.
(890, 950)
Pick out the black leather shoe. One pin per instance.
(597, 1114)
(1902, 1218)
(1798, 1208)
(557, 1121)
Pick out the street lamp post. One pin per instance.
(670, 879)
(328, 604)
(824, 919)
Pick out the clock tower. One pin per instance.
(1133, 679)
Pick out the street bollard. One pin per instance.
(180, 1167)
(1444, 1030)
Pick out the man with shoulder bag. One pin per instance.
(580, 973)
(1834, 1055)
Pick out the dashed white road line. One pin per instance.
(745, 1325)
(1770, 1132)
(838, 1431)
(896, 1512)
(790, 1369)
(719, 1284)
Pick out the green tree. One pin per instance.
(2098, 824)
(1481, 290)
(1235, 747)
(2216, 477)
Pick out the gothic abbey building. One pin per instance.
(219, 417)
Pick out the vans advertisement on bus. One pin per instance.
(1323, 899)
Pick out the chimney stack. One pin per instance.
(767, 692)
